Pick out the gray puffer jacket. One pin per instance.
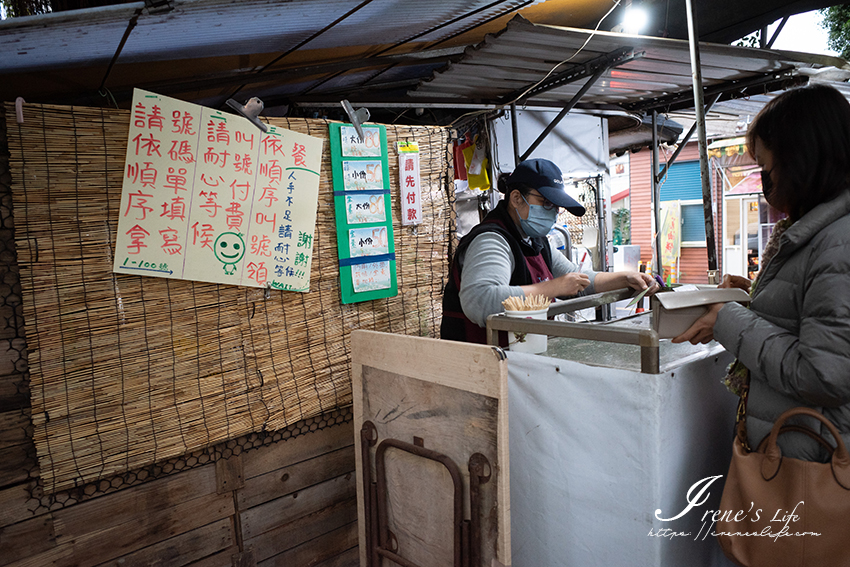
(795, 338)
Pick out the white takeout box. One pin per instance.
(673, 312)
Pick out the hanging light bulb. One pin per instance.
(634, 19)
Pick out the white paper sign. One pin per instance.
(409, 183)
(208, 196)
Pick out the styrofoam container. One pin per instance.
(527, 342)
(673, 312)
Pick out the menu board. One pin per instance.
(367, 268)
(208, 196)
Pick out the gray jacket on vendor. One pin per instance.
(795, 337)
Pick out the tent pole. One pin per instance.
(564, 111)
(699, 111)
(656, 196)
(684, 141)
(515, 134)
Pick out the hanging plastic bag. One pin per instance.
(475, 159)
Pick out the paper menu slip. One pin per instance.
(371, 276)
(368, 241)
(362, 209)
(353, 146)
(209, 197)
(362, 175)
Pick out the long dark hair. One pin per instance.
(807, 130)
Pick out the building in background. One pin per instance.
(682, 186)
(747, 218)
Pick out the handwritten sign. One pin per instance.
(409, 183)
(207, 196)
(371, 277)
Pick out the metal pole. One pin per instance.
(684, 141)
(776, 33)
(602, 239)
(603, 230)
(699, 110)
(515, 134)
(555, 121)
(656, 195)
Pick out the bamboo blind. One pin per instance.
(131, 370)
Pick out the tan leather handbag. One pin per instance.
(781, 512)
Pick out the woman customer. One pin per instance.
(793, 343)
(508, 254)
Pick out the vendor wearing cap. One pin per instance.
(508, 254)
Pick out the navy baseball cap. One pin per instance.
(546, 178)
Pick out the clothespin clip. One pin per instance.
(357, 117)
(268, 293)
(250, 110)
(19, 109)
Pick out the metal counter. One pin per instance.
(607, 427)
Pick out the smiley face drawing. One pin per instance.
(229, 248)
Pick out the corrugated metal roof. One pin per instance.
(372, 51)
(731, 118)
(64, 38)
(210, 28)
(517, 58)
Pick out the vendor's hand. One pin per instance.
(572, 283)
(740, 282)
(702, 331)
(640, 281)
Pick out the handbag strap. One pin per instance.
(791, 427)
(773, 454)
(741, 421)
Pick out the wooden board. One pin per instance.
(152, 529)
(229, 474)
(348, 558)
(15, 505)
(453, 396)
(290, 479)
(265, 517)
(295, 450)
(61, 556)
(313, 551)
(303, 529)
(16, 462)
(13, 428)
(134, 504)
(181, 549)
(220, 559)
(183, 519)
(30, 537)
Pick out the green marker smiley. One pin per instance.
(229, 248)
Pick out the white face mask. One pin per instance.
(540, 219)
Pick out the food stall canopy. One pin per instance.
(306, 52)
(202, 50)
